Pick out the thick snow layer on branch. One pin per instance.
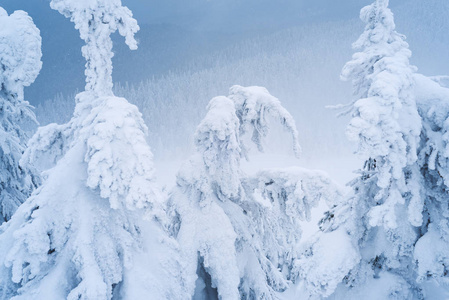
(48, 145)
(253, 105)
(217, 138)
(433, 103)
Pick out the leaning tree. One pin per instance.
(239, 234)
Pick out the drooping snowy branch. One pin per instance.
(253, 105)
(96, 21)
(47, 146)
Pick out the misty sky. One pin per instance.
(172, 33)
(214, 14)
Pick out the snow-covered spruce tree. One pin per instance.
(82, 234)
(380, 220)
(238, 235)
(20, 63)
(432, 249)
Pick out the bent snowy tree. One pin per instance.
(81, 234)
(20, 64)
(238, 235)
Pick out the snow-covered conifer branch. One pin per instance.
(253, 105)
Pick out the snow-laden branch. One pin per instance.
(119, 161)
(96, 20)
(253, 105)
(294, 191)
(217, 139)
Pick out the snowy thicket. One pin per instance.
(379, 222)
(239, 235)
(20, 64)
(95, 228)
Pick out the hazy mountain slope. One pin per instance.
(300, 66)
(173, 32)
